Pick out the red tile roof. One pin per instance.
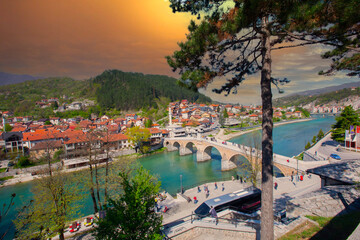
(47, 144)
(114, 137)
(41, 134)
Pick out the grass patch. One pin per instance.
(300, 156)
(2, 170)
(6, 178)
(304, 231)
(336, 228)
(226, 131)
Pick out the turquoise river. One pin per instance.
(289, 140)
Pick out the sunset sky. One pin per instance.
(82, 38)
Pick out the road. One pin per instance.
(327, 146)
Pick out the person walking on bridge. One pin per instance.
(213, 214)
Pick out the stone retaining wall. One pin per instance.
(211, 233)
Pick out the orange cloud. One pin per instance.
(82, 38)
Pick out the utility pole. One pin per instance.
(181, 186)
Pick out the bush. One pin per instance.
(24, 161)
(58, 154)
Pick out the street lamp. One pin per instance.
(181, 186)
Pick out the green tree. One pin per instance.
(320, 135)
(314, 139)
(8, 128)
(148, 123)
(305, 112)
(221, 120)
(137, 136)
(55, 105)
(225, 114)
(132, 216)
(53, 206)
(238, 42)
(307, 146)
(347, 118)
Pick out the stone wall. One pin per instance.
(326, 202)
(198, 233)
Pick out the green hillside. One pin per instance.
(297, 100)
(20, 98)
(125, 91)
(112, 89)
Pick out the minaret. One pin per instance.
(170, 117)
(3, 118)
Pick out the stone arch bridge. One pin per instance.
(228, 151)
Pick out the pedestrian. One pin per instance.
(195, 200)
(292, 177)
(232, 178)
(288, 160)
(223, 187)
(215, 186)
(241, 180)
(275, 185)
(213, 214)
(204, 187)
(207, 193)
(237, 176)
(199, 190)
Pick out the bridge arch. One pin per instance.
(204, 154)
(187, 148)
(229, 152)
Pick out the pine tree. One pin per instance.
(347, 118)
(238, 42)
(225, 113)
(307, 146)
(320, 135)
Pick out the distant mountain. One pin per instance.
(326, 89)
(9, 78)
(330, 95)
(131, 91)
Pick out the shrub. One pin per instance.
(24, 161)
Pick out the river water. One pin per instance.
(289, 140)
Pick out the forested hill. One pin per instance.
(124, 91)
(325, 98)
(21, 97)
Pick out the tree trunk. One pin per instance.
(92, 192)
(61, 236)
(97, 186)
(267, 215)
(106, 173)
(49, 160)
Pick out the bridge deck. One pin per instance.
(288, 162)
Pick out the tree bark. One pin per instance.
(92, 192)
(267, 215)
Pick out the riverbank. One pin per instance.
(27, 177)
(223, 136)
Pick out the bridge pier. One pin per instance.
(171, 148)
(184, 151)
(227, 165)
(202, 156)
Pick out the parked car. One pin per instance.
(335, 156)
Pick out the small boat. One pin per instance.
(74, 227)
(88, 221)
